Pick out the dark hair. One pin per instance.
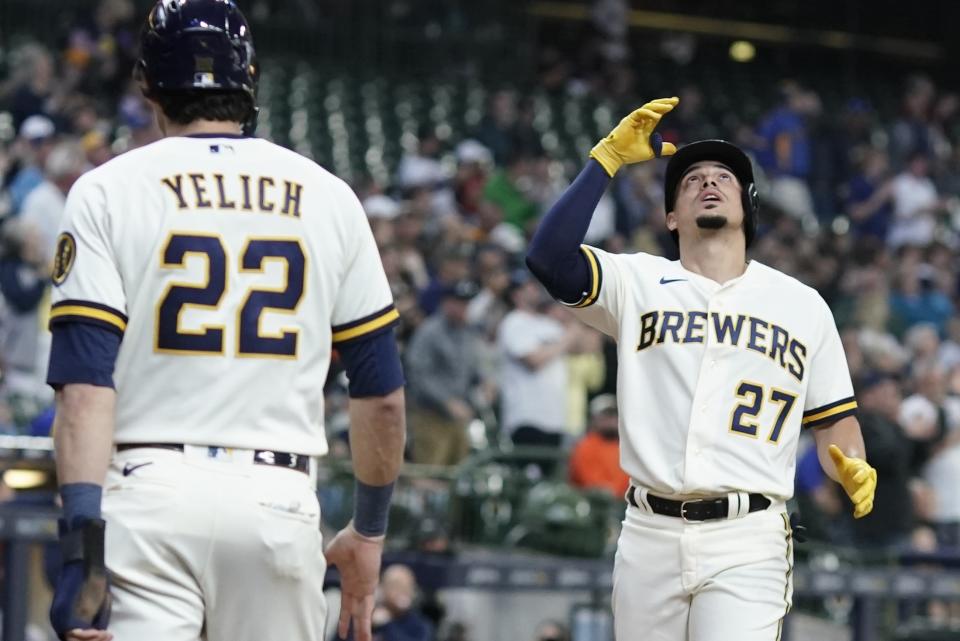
(184, 107)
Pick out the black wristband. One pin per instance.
(84, 543)
(371, 508)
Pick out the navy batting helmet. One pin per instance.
(197, 45)
(727, 154)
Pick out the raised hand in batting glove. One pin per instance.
(81, 600)
(357, 558)
(858, 478)
(633, 140)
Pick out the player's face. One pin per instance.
(708, 197)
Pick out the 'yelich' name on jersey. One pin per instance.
(239, 192)
(748, 332)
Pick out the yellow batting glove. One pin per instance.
(859, 481)
(630, 141)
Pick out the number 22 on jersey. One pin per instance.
(171, 337)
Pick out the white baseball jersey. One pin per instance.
(230, 265)
(715, 381)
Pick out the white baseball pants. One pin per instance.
(212, 548)
(721, 580)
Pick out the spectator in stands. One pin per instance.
(855, 133)
(474, 163)
(524, 135)
(533, 375)
(488, 307)
(409, 236)
(923, 415)
(923, 341)
(453, 266)
(422, 168)
(140, 124)
(586, 370)
(96, 148)
(943, 124)
(510, 190)
(786, 151)
(381, 211)
(595, 459)
(638, 195)
(891, 449)
(43, 206)
(30, 244)
(910, 134)
(102, 48)
(916, 299)
(948, 355)
(942, 473)
(916, 204)
(487, 226)
(443, 370)
(496, 127)
(820, 507)
(30, 91)
(33, 145)
(396, 616)
(869, 196)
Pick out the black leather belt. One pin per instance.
(696, 509)
(298, 462)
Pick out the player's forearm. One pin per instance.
(846, 435)
(554, 254)
(83, 433)
(377, 436)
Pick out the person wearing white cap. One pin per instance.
(381, 206)
(381, 211)
(33, 145)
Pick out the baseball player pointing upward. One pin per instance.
(722, 362)
(200, 283)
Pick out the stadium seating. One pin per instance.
(360, 125)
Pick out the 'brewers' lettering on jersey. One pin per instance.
(715, 381)
(746, 332)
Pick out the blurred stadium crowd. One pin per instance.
(863, 208)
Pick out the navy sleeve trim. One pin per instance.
(830, 413)
(88, 312)
(591, 294)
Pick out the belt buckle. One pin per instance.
(683, 510)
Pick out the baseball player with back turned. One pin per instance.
(200, 284)
(722, 361)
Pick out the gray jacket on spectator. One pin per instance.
(443, 362)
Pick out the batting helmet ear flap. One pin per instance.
(751, 211)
